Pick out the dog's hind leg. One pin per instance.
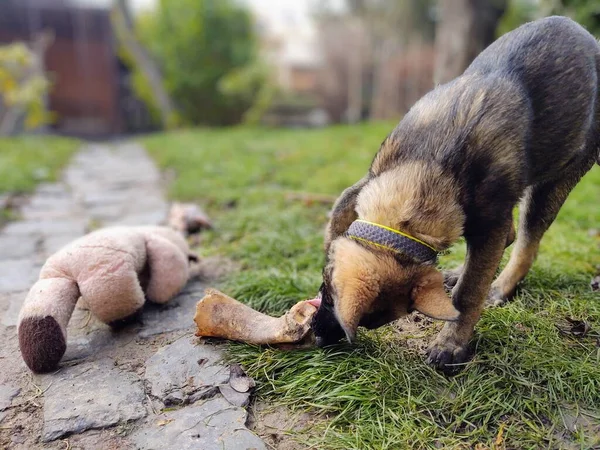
(343, 212)
(451, 276)
(451, 346)
(539, 208)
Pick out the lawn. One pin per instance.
(28, 160)
(535, 381)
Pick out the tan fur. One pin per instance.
(361, 276)
(430, 298)
(384, 156)
(429, 111)
(519, 264)
(343, 212)
(398, 200)
(356, 276)
(512, 234)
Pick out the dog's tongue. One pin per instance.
(316, 302)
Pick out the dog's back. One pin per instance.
(556, 62)
(525, 112)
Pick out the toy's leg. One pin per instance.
(168, 267)
(43, 322)
(115, 293)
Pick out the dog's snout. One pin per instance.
(326, 328)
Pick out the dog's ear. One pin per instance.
(429, 297)
(352, 304)
(356, 288)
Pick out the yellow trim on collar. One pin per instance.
(408, 236)
(385, 247)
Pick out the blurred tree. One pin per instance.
(464, 29)
(142, 62)
(23, 86)
(379, 32)
(248, 84)
(199, 43)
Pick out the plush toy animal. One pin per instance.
(113, 270)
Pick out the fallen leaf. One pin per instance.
(579, 328)
(500, 438)
(521, 327)
(162, 423)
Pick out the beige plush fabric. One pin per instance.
(113, 270)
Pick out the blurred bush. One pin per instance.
(208, 55)
(23, 88)
(586, 12)
(517, 13)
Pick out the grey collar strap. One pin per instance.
(390, 239)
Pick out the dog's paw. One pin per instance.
(496, 298)
(448, 356)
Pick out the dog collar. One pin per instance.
(394, 240)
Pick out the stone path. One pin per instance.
(149, 386)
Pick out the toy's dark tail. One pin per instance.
(43, 322)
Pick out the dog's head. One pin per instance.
(366, 287)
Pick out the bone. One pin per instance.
(220, 316)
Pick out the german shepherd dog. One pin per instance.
(522, 123)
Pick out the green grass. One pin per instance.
(26, 161)
(527, 380)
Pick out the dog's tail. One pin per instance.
(43, 320)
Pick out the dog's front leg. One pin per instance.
(452, 276)
(343, 212)
(468, 296)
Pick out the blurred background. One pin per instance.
(98, 68)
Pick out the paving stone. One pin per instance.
(155, 217)
(106, 198)
(107, 185)
(49, 203)
(177, 314)
(90, 396)
(82, 343)
(212, 425)
(184, 368)
(16, 248)
(46, 227)
(16, 275)
(51, 189)
(7, 393)
(106, 212)
(53, 243)
(11, 304)
(234, 397)
(36, 214)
